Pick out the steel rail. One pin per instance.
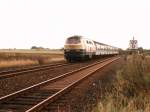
(4, 98)
(57, 94)
(29, 70)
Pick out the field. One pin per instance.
(20, 57)
(130, 91)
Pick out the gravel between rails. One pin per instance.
(87, 94)
(16, 83)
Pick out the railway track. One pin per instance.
(12, 73)
(37, 97)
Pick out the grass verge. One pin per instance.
(130, 91)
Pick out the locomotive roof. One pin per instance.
(75, 36)
(79, 37)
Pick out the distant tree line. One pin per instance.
(42, 48)
(38, 48)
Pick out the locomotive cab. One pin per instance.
(74, 49)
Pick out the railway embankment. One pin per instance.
(130, 90)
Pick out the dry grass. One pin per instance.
(131, 90)
(12, 63)
(14, 59)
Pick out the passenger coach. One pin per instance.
(78, 47)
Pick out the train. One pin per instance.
(80, 48)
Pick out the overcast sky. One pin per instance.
(47, 23)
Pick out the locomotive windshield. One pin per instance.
(73, 40)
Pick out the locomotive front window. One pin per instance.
(73, 41)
